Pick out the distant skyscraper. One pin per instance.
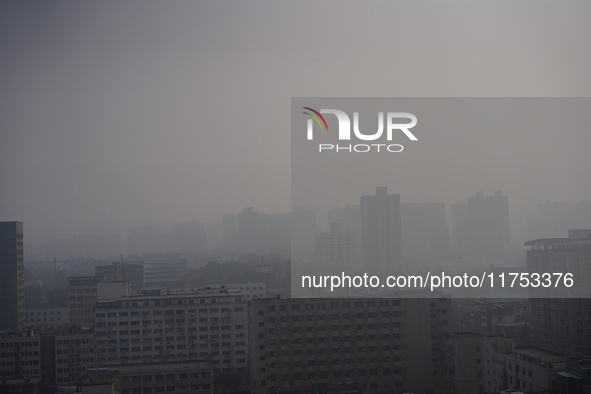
(381, 231)
(335, 248)
(350, 217)
(458, 217)
(424, 232)
(12, 280)
(303, 228)
(486, 234)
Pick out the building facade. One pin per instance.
(335, 248)
(132, 272)
(12, 279)
(382, 231)
(193, 377)
(168, 325)
(560, 316)
(46, 317)
(82, 297)
(57, 357)
(326, 341)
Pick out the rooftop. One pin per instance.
(559, 241)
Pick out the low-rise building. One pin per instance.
(528, 369)
(25, 385)
(58, 357)
(186, 377)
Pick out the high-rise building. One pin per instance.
(335, 248)
(57, 357)
(458, 217)
(381, 231)
(424, 231)
(560, 316)
(82, 297)
(486, 234)
(350, 217)
(303, 227)
(12, 280)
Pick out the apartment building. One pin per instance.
(46, 317)
(166, 325)
(57, 357)
(82, 296)
(19, 356)
(367, 341)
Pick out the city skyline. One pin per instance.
(193, 198)
(156, 118)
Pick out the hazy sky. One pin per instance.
(152, 111)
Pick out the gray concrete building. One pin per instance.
(561, 316)
(381, 231)
(12, 280)
(172, 325)
(386, 345)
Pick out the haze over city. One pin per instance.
(160, 113)
(187, 205)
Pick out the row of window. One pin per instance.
(344, 316)
(346, 361)
(22, 354)
(171, 312)
(168, 377)
(344, 350)
(14, 374)
(342, 374)
(183, 301)
(239, 361)
(77, 360)
(336, 305)
(18, 344)
(339, 339)
(38, 313)
(74, 341)
(160, 330)
(16, 363)
(344, 327)
(213, 337)
(202, 320)
(162, 389)
(82, 291)
(168, 347)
